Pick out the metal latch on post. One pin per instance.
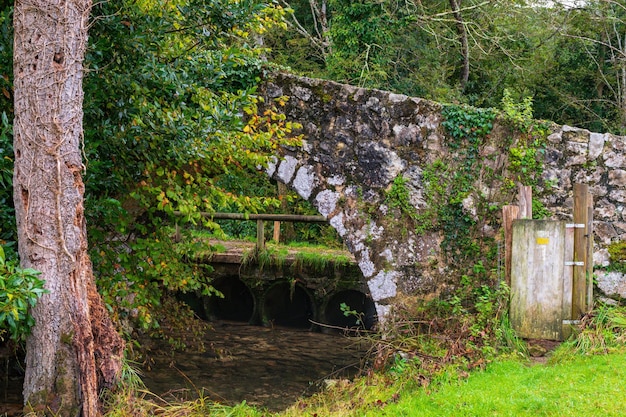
(574, 263)
(571, 322)
(574, 225)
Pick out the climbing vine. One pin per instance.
(523, 157)
(468, 128)
(525, 166)
(398, 197)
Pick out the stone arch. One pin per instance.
(287, 303)
(350, 156)
(356, 301)
(238, 303)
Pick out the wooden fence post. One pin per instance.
(589, 252)
(525, 196)
(509, 213)
(260, 235)
(581, 221)
(276, 235)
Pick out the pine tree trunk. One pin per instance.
(74, 350)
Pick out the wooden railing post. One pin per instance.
(581, 233)
(260, 235)
(589, 271)
(509, 213)
(525, 196)
(276, 235)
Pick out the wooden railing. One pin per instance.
(260, 222)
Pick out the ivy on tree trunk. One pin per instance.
(74, 350)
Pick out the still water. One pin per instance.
(266, 367)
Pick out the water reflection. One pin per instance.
(267, 367)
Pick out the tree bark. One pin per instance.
(74, 350)
(462, 32)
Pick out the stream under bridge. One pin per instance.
(286, 287)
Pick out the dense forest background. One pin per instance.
(170, 104)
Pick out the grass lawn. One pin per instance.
(592, 386)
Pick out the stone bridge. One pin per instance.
(376, 164)
(287, 287)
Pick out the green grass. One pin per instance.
(592, 386)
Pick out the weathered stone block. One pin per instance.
(596, 145)
(614, 160)
(605, 232)
(617, 177)
(612, 284)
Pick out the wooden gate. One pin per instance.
(550, 275)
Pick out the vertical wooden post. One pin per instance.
(568, 274)
(177, 235)
(276, 235)
(260, 235)
(589, 271)
(525, 196)
(579, 287)
(509, 213)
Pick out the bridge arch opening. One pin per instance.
(287, 304)
(238, 303)
(350, 309)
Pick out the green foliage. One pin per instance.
(7, 212)
(19, 291)
(361, 31)
(601, 331)
(172, 126)
(468, 128)
(398, 197)
(183, 75)
(540, 211)
(617, 256)
(133, 276)
(525, 163)
(523, 158)
(349, 312)
(518, 114)
(449, 185)
(467, 125)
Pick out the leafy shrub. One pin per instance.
(19, 291)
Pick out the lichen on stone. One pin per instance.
(304, 182)
(286, 168)
(383, 285)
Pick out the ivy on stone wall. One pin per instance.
(467, 128)
(523, 156)
(525, 163)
